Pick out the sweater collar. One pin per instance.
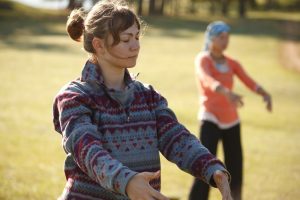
(91, 73)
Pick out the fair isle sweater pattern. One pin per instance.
(106, 144)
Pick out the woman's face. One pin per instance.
(125, 53)
(220, 42)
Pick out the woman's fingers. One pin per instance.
(151, 175)
(237, 100)
(268, 100)
(222, 183)
(138, 188)
(157, 195)
(240, 102)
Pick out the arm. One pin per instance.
(203, 73)
(244, 77)
(73, 118)
(181, 147)
(266, 97)
(251, 84)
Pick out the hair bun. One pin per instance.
(75, 24)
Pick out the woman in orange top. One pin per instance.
(218, 113)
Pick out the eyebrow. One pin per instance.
(131, 34)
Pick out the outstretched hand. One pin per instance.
(266, 97)
(138, 188)
(235, 99)
(221, 180)
(268, 100)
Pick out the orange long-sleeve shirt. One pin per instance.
(209, 77)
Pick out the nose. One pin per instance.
(135, 45)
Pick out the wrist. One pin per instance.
(261, 91)
(222, 90)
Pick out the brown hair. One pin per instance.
(105, 18)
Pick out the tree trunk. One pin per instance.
(140, 7)
(253, 4)
(212, 7)
(242, 8)
(94, 2)
(225, 7)
(177, 5)
(74, 4)
(270, 4)
(162, 7)
(71, 5)
(152, 7)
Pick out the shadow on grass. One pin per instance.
(16, 20)
(258, 27)
(36, 46)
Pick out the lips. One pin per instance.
(133, 56)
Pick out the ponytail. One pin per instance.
(75, 24)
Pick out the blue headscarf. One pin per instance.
(213, 30)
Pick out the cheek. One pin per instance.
(217, 43)
(226, 42)
(120, 49)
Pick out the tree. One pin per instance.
(253, 4)
(225, 7)
(242, 8)
(74, 4)
(162, 7)
(212, 7)
(152, 7)
(270, 4)
(140, 7)
(156, 7)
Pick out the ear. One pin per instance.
(98, 45)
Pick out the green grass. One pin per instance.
(37, 58)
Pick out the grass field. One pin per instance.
(37, 58)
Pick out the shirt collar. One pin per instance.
(91, 73)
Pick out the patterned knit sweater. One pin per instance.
(107, 143)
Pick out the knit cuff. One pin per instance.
(211, 170)
(122, 180)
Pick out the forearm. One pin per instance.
(261, 91)
(181, 147)
(97, 163)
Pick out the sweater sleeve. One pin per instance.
(244, 77)
(81, 139)
(204, 74)
(179, 146)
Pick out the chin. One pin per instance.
(130, 66)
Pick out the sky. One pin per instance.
(49, 4)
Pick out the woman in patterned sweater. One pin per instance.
(218, 114)
(113, 127)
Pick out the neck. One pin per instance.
(113, 76)
(216, 54)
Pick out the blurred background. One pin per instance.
(37, 58)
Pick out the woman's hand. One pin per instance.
(138, 188)
(268, 100)
(266, 97)
(234, 98)
(221, 179)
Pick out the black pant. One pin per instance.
(210, 134)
